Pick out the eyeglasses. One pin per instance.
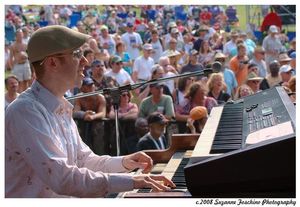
(255, 82)
(76, 54)
(119, 63)
(99, 66)
(125, 94)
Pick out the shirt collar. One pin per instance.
(48, 99)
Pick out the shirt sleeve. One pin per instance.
(30, 129)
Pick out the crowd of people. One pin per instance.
(128, 48)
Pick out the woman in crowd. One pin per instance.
(206, 54)
(242, 91)
(127, 109)
(196, 96)
(216, 88)
(127, 62)
(179, 93)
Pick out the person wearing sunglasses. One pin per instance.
(45, 156)
(117, 72)
(253, 81)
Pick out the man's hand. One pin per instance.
(138, 160)
(156, 182)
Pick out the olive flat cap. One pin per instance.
(52, 40)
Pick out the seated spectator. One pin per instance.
(253, 81)
(155, 138)
(88, 109)
(157, 102)
(12, 87)
(216, 88)
(197, 119)
(127, 110)
(285, 72)
(243, 91)
(117, 72)
(196, 96)
(272, 79)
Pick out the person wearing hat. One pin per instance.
(202, 32)
(45, 156)
(272, 45)
(197, 119)
(250, 44)
(286, 74)
(19, 61)
(155, 138)
(230, 47)
(88, 109)
(101, 81)
(253, 81)
(284, 59)
(258, 59)
(107, 41)
(132, 41)
(229, 76)
(157, 102)
(117, 72)
(173, 54)
(192, 65)
(143, 64)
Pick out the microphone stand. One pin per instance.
(116, 92)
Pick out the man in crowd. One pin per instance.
(155, 138)
(117, 72)
(20, 65)
(87, 110)
(44, 154)
(132, 41)
(157, 102)
(143, 64)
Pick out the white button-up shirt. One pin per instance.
(45, 156)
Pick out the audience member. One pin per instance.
(155, 138)
(11, 86)
(216, 88)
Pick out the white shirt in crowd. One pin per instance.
(129, 39)
(157, 50)
(143, 67)
(121, 77)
